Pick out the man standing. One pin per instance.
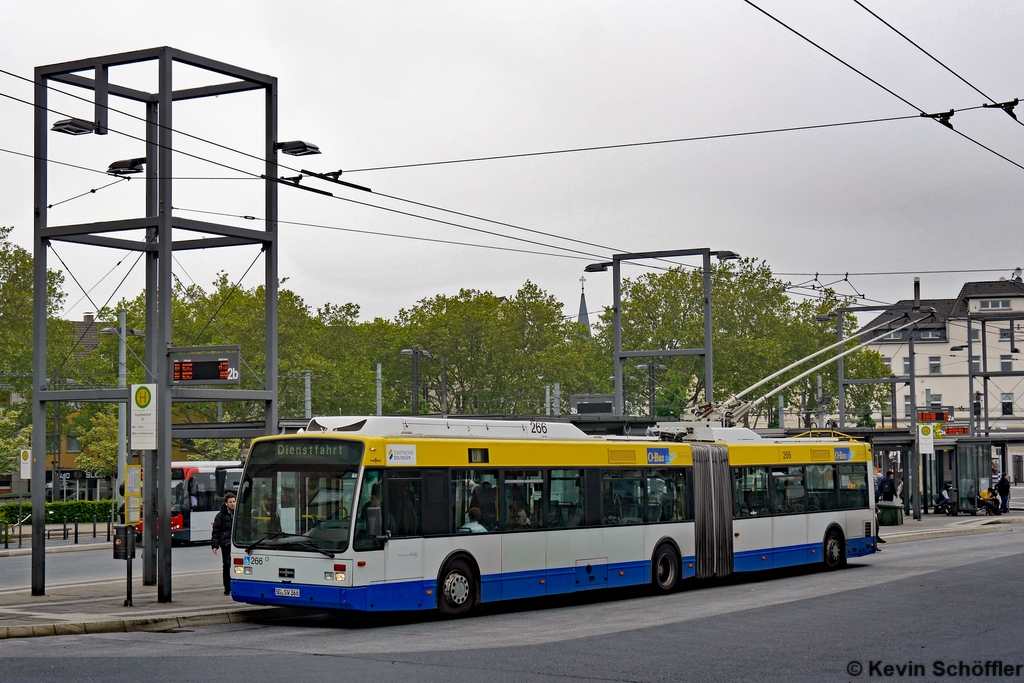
(1003, 487)
(887, 487)
(221, 537)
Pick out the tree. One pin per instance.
(14, 436)
(99, 443)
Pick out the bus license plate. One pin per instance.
(287, 592)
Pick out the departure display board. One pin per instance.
(205, 368)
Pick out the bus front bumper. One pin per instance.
(408, 595)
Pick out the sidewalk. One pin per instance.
(941, 526)
(56, 542)
(98, 607)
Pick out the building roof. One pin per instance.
(943, 311)
(980, 290)
(952, 308)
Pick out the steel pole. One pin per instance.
(164, 288)
(415, 380)
(308, 403)
(270, 258)
(122, 377)
(380, 402)
(915, 453)
(152, 341)
(841, 372)
(709, 364)
(39, 381)
(618, 401)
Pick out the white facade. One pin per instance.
(943, 355)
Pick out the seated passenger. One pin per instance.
(485, 500)
(473, 526)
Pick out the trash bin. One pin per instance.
(890, 513)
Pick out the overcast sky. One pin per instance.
(379, 84)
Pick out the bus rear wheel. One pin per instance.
(665, 569)
(456, 589)
(834, 551)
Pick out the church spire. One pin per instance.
(584, 317)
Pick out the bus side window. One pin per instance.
(474, 500)
(621, 497)
(853, 486)
(403, 503)
(524, 493)
(661, 497)
(821, 487)
(750, 492)
(566, 502)
(369, 497)
(788, 493)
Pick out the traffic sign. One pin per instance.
(143, 417)
(26, 464)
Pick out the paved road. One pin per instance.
(914, 602)
(92, 565)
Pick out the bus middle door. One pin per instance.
(403, 553)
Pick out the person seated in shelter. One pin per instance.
(989, 501)
(944, 503)
(473, 526)
(485, 500)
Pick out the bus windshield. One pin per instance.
(298, 493)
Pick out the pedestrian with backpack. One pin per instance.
(1003, 487)
(221, 537)
(887, 487)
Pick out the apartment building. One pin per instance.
(947, 356)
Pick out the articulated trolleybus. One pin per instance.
(392, 513)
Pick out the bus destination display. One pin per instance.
(220, 368)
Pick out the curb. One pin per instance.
(59, 549)
(151, 624)
(943, 533)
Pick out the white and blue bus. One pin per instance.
(392, 513)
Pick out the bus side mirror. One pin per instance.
(374, 523)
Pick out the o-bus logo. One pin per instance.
(143, 397)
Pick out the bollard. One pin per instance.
(94, 525)
(7, 535)
(109, 522)
(76, 529)
(65, 527)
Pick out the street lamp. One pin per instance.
(74, 126)
(297, 148)
(650, 366)
(125, 167)
(122, 332)
(415, 352)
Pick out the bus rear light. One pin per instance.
(339, 567)
(238, 560)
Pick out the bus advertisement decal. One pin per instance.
(843, 454)
(658, 456)
(401, 454)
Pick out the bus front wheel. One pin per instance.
(665, 569)
(834, 550)
(457, 589)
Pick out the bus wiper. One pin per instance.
(308, 544)
(269, 537)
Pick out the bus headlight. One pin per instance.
(334, 576)
(239, 570)
(248, 570)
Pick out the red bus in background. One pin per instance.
(197, 493)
